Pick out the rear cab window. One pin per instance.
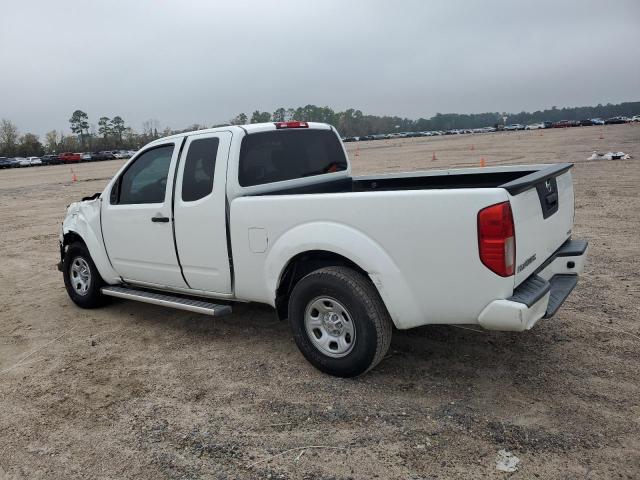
(197, 181)
(280, 155)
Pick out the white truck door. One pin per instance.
(136, 219)
(200, 212)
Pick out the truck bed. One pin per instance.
(514, 179)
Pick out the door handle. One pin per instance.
(159, 219)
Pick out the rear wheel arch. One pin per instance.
(303, 264)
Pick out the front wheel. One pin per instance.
(339, 321)
(81, 277)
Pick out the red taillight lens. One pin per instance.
(292, 125)
(497, 239)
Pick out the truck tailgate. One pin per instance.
(543, 216)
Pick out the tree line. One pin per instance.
(114, 133)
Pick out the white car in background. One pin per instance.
(22, 162)
(34, 161)
(121, 154)
(534, 126)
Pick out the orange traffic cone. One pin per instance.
(483, 163)
(433, 157)
(74, 179)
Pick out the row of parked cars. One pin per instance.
(63, 158)
(506, 128)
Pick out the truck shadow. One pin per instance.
(424, 354)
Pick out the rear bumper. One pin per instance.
(540, 295)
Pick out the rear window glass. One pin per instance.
(197, 180)
(279, 155)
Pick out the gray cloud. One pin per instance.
(202, 61)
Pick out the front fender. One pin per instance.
(357, 247)
(83, 219)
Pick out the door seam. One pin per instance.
(173, 201)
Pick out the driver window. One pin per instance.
(145, 181)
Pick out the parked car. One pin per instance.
(586, 122)
(22, 162)
(635, 118)
(270, 213)
(514, 126)
(5, 162)
(12, 162)
(534, 126)
(69, 157)
(615, 120)
(562, 124)
(597, 121)
(34, 161)
(50, 159)
(86, 157)
(121, 153)
(548, 124)
(99, 156)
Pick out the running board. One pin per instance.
(167, 300)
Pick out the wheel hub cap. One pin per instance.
(80, 275)
(332, 324)
(330, 327)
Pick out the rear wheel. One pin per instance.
(339, 321)
(81, 277)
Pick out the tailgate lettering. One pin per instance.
(526, 263)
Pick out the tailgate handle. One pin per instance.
(551, 199)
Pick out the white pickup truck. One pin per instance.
(271, 213)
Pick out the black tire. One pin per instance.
(367, 312)
(92, 297)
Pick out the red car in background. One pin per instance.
(68, 157)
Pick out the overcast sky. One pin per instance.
(185, 62)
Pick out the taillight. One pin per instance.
(292, 125)
(497, 239)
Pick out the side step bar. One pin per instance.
(168, 300)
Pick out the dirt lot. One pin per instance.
(134, 390)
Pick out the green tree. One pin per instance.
(260, 117)
(8, 137)
(79, 124)
(30, 146)
(118, 127)
(279, 115)
(104, 127)
(240, 119)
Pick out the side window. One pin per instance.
(197, 180)
(145, 181)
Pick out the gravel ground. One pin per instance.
(138, 391)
